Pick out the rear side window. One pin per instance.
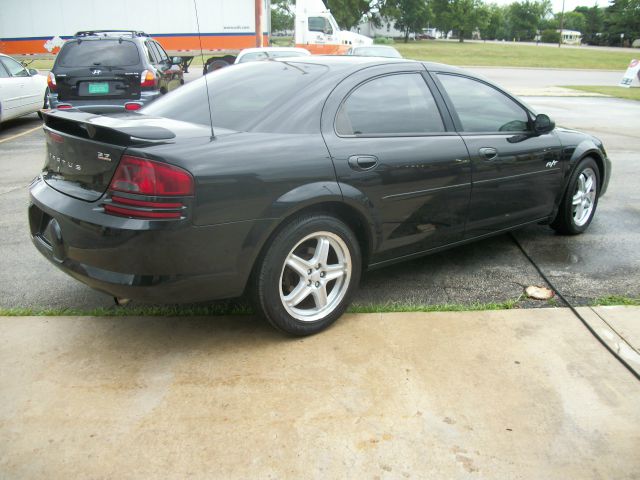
(240, 96)
(398, 104)
(482, 108)
(104, 52)
(3, 72)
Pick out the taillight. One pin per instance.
(132, 106)
(138, 177)
(147, 79)
(51, 81)
(64, 106)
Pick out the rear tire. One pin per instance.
(580, 200)
(306, 278)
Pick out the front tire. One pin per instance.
(579, 203)
(308, 275)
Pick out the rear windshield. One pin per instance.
(240, 95)
(103, 52)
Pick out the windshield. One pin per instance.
(239, 95)
(103, 52)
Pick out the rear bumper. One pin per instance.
(104, 105)
(153, 261)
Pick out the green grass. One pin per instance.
(611, 300)
(619, 92)
(232, 308)
(486, 54)
(513, 55)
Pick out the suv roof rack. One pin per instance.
(90, 33)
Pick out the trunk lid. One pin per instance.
(84, 150)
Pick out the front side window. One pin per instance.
(14, 68)
(390, 105)
(320, 24)
(482, 108)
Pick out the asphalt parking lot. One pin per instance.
(602, 262)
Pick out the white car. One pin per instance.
(22, 91)
(265, 53)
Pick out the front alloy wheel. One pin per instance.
(580, 200)
(584, 196)
(307, 275)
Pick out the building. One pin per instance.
(570, 37)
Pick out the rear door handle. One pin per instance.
(363, 162)
(488, 153)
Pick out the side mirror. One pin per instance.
(543, 124)
(33, 71)
(176, 60)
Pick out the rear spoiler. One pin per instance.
(105, 128)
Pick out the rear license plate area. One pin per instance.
(98, 88)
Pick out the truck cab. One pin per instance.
(317, 30)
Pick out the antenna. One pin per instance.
(195, 7)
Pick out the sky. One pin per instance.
(569, 5)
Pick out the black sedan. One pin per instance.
(285, 179)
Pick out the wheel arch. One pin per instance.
(344, 209)
(586, 149)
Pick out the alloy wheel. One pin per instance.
(584, 197)
(315, 276)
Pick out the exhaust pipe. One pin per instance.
(121, 302)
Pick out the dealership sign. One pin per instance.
(632, 75)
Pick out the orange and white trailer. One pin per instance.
(36, 29)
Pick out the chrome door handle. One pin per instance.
(363, 162)
(488, 153)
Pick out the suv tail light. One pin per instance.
(147, 79)
(138, 178)
(51, 81)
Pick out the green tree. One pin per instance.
(349, 13)
(409, 15)
(594, 24)
(495, 27)
(282, 15)
(574, 21)
(462, 16)
(526, 17)
(623, 19)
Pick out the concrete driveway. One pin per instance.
(526, 394)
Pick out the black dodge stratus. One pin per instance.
(292, 176)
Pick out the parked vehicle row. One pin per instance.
(313, 169)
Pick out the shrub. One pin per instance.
(550, 36)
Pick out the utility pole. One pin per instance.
(561, 25)
(259, 36)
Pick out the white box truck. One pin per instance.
(35, 29)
